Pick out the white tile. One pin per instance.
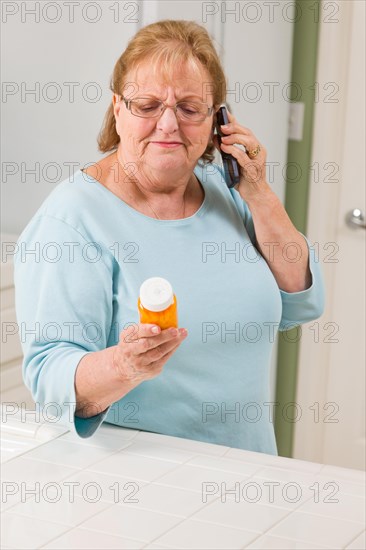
(30, 425)
(350, 487)
(156, 546)
(113, 430)
(196, 479)
(15, 445)
(297, 465)
(197, 534)
(343, 473)
(348, 507)
(305, 479)
(61, 507)
(114, 489)
(224, 464)
(22, 532)
(48, 430)
(359, 543)
(276, 494)
(274, 461)
(277, 543)
(199, 447)
(346, 487)
(124, 521)
(157, 450)
(69, 454)
(317, 529)
(109, 437)
(83, 539)
(11, 494)
(134, 466)
(27, 470)
(241, 515)
(252, 457)
(167, 500)
(8, 454)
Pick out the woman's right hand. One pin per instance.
(141, 353)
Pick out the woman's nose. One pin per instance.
(168, 122)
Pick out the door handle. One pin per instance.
(355, 219)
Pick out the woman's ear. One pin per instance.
(116, 100)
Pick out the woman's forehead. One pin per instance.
(147, 78)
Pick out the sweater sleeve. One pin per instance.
(63, 298)
(297, 307)
(304, 306)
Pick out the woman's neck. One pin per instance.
(149, 199)
(166, 194)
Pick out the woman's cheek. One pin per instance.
(204, 141)
(133, 143)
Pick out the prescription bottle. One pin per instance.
(157, 303)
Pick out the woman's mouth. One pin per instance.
(167, 144)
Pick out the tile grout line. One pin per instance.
(178, 465)
(190, 516)
(355, 538)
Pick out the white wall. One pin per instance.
(36, 53)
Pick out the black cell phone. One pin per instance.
(231, 166)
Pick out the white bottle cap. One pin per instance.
(156, 294)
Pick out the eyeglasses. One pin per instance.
(145, 107)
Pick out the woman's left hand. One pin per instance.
(253, 180)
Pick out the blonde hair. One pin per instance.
(167, 45)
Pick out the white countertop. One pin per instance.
(131, 489)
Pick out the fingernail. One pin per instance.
(183, 332)
(224, 125)
(155, 330)
(173, 331)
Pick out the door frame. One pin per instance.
(314, 357)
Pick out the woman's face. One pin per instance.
(144, 141)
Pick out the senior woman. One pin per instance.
(157, 205)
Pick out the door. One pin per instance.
(331, 385)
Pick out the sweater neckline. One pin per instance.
(180, 221)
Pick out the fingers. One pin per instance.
(154, 351)
(164, 358)
(236, 152)
(249, 142)
(143, 345)
(141, 353)
(233, 127)
(237, 135)
(148, 370)
(153, 341)
(156, 357)
(139, 330)
(247, 139)
(242, 156)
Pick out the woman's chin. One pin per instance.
(167, 163)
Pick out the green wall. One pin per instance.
(305, 47)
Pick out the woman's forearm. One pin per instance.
(283, 247)
(279, 242)
(97, 383)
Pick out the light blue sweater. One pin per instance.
(78, 269)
